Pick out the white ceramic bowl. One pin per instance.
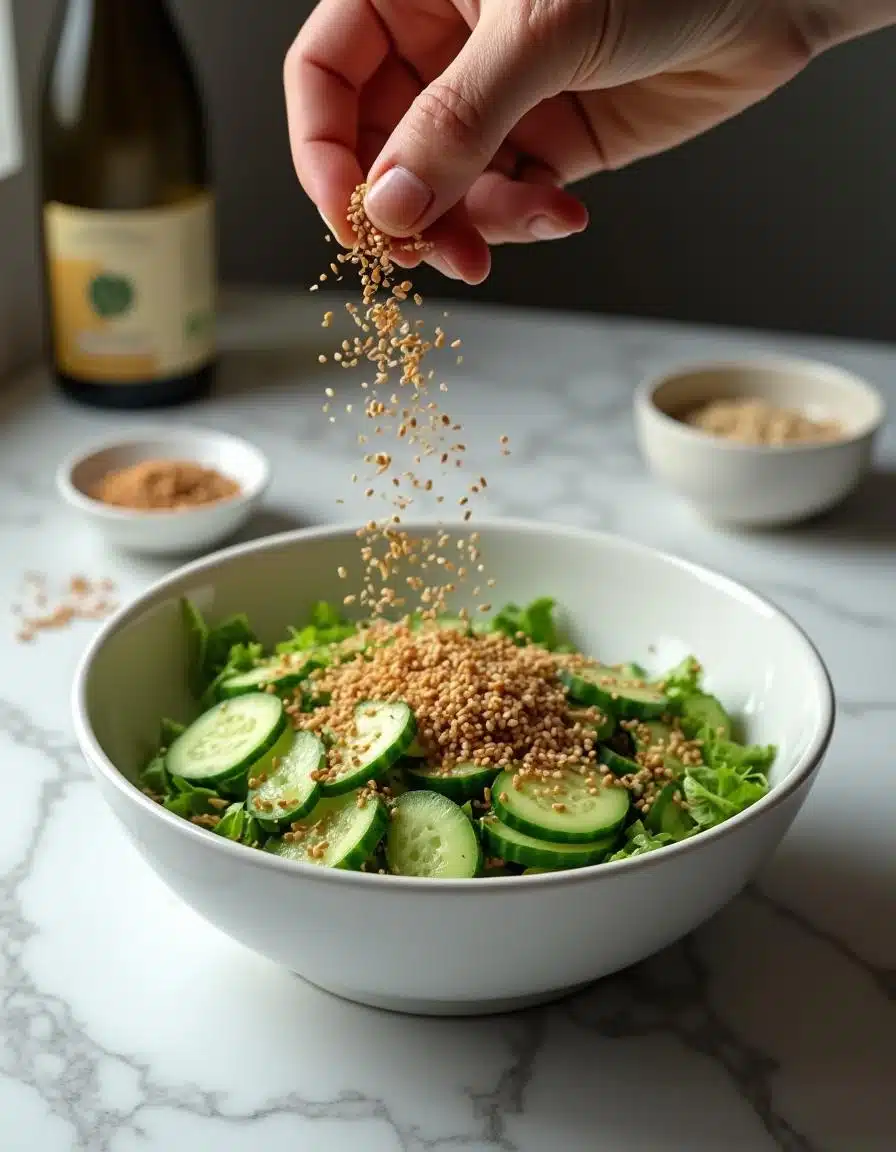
(747, 485)
(460, 947)
(162, 532)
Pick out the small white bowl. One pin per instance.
(158, 531)
(759, 485)
(461, 946)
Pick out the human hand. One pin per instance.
(468, 117)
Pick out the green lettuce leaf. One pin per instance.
(326, 626)
(683, 680)
(536, 622)
(639, 841)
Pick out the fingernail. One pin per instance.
(397, 201)
(544, 228)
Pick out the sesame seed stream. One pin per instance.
(396, 567)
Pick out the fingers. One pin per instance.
(508, 211)
(336, 53)
(457, 124)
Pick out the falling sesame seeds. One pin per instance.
(396, 347)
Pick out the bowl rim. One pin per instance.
(645, 400)
(799, 774)
(76, 497)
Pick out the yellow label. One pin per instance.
(132, 293)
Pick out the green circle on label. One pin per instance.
(111, 295)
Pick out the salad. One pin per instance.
(445, 748)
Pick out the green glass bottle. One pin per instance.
(127, 208)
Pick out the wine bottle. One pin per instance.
(127, 208)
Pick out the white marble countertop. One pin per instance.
(127, 1023)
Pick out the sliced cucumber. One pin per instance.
(382, 735)
(604, 723)
(703, 709)
(227, 739)
(617, 764)
(282, 674)
(667, 816)
(579, 813)
(395, 779)
(290, 789)
(611, 690)
(518, 848)
(651, 734)
(461, 783)
(429, 835)
(336, 834)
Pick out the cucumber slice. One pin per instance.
(290, 790)
(336, 834)
(618, 765)
(611, 690)
(666, 816)
(282, 675)
(382, 735)
(604, 726)
(651, 734)
(518, 848)
(395, 780)
(703, 709)
(227, 739)
(429, 835)
(585, 815)
(461, 783)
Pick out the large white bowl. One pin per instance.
(460, 947)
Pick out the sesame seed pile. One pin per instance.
(40, 611)
(425, 439)
(653, 760)
(478, 700)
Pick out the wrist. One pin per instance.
(825, 23)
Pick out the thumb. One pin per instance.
(450, 133)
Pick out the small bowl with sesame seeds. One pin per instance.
(763, 442)
(165, 491)
(304, 822)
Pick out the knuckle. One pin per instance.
(448, 114)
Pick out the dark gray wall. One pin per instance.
(784, 218)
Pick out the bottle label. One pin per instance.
(132, 294)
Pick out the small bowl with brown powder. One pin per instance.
(162, 492)
(759, 443)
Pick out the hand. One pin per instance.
(468, 117)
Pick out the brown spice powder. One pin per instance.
(164, 485)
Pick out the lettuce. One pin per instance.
(639, 841)
(731, 778)
(684, 680)
(326, 626)
(535, 622)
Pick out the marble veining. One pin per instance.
(127, 1023)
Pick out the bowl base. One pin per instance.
(408, 1006)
